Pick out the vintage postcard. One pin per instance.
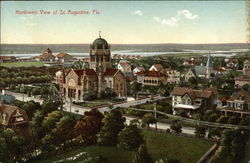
(125, 81)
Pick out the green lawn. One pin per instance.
(22, 64)
(247, 151)
(186, 149)
(159, 145)
(91, 105)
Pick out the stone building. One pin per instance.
(74, 83)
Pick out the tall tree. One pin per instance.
(130, 137)
(89, 126)
(142, 156)
(113, 124)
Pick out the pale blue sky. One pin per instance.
(127, 22)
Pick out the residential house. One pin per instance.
(151, 78)
(125, 68)
(245, 78)
(137, 69)
(238, 104)
(8, 59)
(157, 67)
(64, 57)
(12, 117)
(207, 71)
(173, 75)
(46, 56)
(193, 100)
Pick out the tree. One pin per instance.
(90, 96)
(35, 124)
(245, 121)
(61, 133)
(11, 146)
(30, 107)
(130, 137)
(200, 131)
(148, 119)
(166, 160)
(176, 127)
(212, 117)
(49, 106)
(108, 93)
(142, 156)
(135, 87)
(49, 122)
(89, 126)
(222, 119)
(113, 123)
(234, 120)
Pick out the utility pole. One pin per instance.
(155, 116)
(70, 101)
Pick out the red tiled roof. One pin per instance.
(60, 55)
(158, 66)
(88, 72)
(151, 73)
(110, 72)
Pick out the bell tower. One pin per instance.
(100, 57)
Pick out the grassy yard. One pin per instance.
(22, 64)
(91, 105)
(159, 145)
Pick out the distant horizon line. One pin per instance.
(119, 43)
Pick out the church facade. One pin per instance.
(75, 83)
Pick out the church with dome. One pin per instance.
(75, 83)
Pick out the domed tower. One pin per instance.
(100, 58)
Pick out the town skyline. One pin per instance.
(125, 22)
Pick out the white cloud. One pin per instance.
(157, 19)
(173, 21)
(138, 12)
(187, 14)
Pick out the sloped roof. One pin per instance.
(61, 55)
(151, 73)
(241, 95)
(88, 72)
(200, 70)
(205, 93)
(158, 66)
(45, 55)
(10, 110)
(110, 72)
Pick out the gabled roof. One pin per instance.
(61, 55)
(88, 72)
(158, 66)
(110, 72)
(205, 93)
(200, 70)
(45, 55)
(151, 73)
(241, 95)
(9, 110)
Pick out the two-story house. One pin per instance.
(12, 117)
(238, 104)
(193, 100)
